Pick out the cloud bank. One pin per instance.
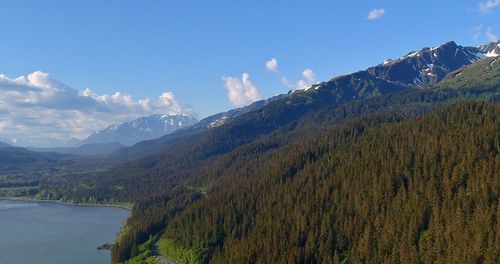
(38, 108)
(242, 91)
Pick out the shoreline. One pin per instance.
(27, 199)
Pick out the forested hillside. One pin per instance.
(375, 189)
(223, 172)
(238, 132)
(194, 157)
(357, 169)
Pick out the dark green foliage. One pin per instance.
(193, 157)
(256, 170)
(375, 189)
(149, 217)
(318, 177)
(164, 184)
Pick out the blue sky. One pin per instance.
(195, 49)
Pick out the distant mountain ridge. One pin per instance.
(147, 147)
(97, 149)
(221, 118)
(427, 66)
(491, 50)
(16, 158)
(281, 152)
(143, 128)
(207, 158)
(430, 65)
(400, 75)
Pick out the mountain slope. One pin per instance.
(371, 190)
(484, 73)
(429, 65)
(263, 117)
(144, 128)
(150, 147)
(97, 149)
(244, 140)
(357, 85)
(424, 67)
(491, 50)
(14, 158)
(217, 189)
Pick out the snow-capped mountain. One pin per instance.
(143, 128)
(431, 65)
(393, 76)
(427, 66)
(491, 50)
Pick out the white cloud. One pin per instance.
(242, 91)
(309, 75)
(375, 14)
(302, 85)
(37, 107)
(491, 37)
(309, 78)
(488, 6)
(272, 65)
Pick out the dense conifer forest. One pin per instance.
(379, 188)
(402, 175)
(250, 132)
(376, 189)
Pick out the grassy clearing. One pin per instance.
(176, 253)
(200, 189)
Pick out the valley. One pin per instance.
(398, 163)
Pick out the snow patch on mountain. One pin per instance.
(143, 128)
(430, 65)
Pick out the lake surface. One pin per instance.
(43, 233)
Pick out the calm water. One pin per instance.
(43, 233)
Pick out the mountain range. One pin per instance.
(417, 69)
(364, 167)
(97, 149)
(279, 147)
(427, 66)
(424, 67)
(143, 128)
(431, 65)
